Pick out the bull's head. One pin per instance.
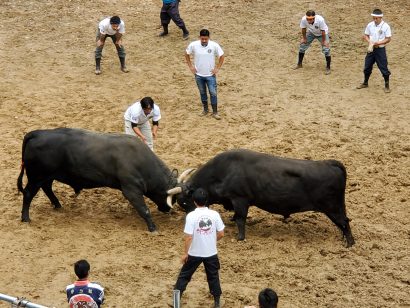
(182, 193)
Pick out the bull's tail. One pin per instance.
(20, 178)
(27, 137)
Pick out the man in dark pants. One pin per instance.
(114, 28)
(170, 11)
(203, 228)
(377, 34)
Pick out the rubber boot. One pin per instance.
(123, 67)
(328, 60)
(365, 83)
(185, 33)
(386, 84)
(217, 301)
(300, 60)
(215, 114)
(205, 111)
(97, 66)
(165, 31)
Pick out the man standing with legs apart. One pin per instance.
(203, 228)
(204, 51)
(137, 119)
(114, 28)
(377, 34)
(170, 10)
(314, 27)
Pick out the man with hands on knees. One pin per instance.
(137, 119)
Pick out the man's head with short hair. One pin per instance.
(115, 20)
(200, 197)
(310, 16)
(377, 12)
(204, 37)
(310, 13)
(204, 32)
(268, 298)
(147, 102)
(81, 269)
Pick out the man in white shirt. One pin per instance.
(314, 27)
(204, 51)
(137, 119)
(203, 228)
(114, 28)
(377, 34)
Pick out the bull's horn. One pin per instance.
(169, 201)
(184, 175)
(174, 191)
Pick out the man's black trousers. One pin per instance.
(211, 265)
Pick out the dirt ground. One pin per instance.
(47, 80)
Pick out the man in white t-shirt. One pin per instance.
(204, 52)
(114, 28)
(314, 27)
(137, 119)
(203, 228)
(377, 34)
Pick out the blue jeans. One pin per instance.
(202, 83)
(309, 39)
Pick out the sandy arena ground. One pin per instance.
(47, 80)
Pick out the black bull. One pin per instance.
(238, 179)
(85, 159)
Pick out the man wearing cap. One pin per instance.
(114, 28)
(203, 228)
(170, 10)
(137, 119)
(314, 27)
(377, 34)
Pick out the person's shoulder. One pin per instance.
(95, 285)
(70, 286)
(195, 43)
(105, 20)
(320, 18)
(215, 213)
(214, 44)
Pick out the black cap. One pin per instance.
(200, 196)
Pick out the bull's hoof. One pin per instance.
(25, 219)
(57, 206)
(350, 242)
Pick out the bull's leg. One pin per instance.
(137, 201)
(342, 222)
(241, 208)
(47, 188)
(28, 194)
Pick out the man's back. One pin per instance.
(84, 293)
(203, 224)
